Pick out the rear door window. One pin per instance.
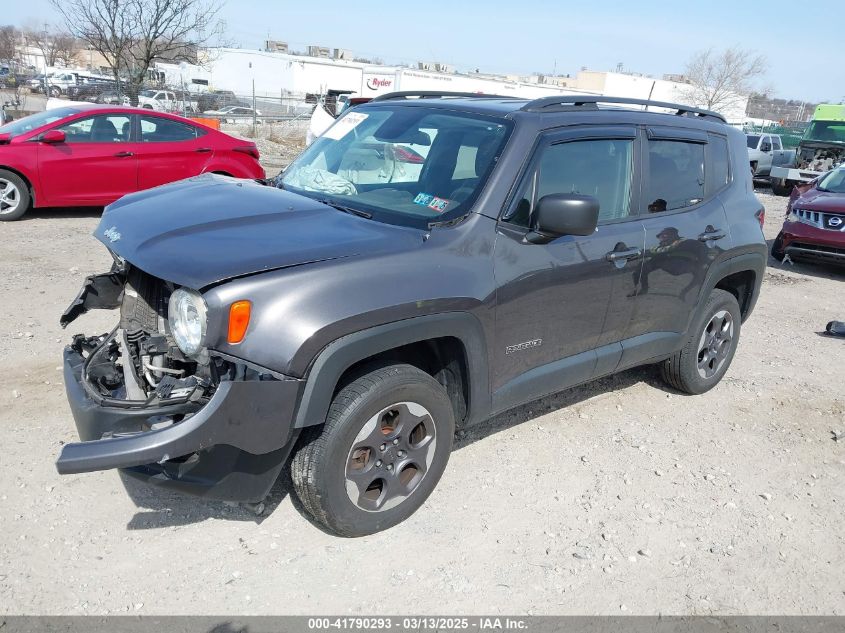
(161, 130)
(675, 175)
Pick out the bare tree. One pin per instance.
(55, 45)
(8, 43)
(723, 79)
(132, 34)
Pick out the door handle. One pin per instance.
(631, 253)
(123, 154)
(711, 234)
(203, 150)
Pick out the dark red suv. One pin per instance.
(814, 229)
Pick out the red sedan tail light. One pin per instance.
(252, 150)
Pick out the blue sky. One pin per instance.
(540, 36)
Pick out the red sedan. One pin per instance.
(91, 155)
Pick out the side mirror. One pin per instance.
(52, 137)
(766, 147)
(564, 214)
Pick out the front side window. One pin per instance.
(599, 168)
(402, 164)
(161, 130)
(103, 128)
(676, 175)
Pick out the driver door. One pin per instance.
(562, 307)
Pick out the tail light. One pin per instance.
(252, 150)
(761, 216)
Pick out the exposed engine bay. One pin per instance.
(138, 364)
(820, 159)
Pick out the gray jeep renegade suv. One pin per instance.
(432, 260)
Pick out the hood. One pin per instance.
(210, 228)
(827, 201)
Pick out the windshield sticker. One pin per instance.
(424, 199)
(345, 125)
(438, 204)
(432, 202)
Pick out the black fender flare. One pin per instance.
(334, 359)
(753, 261)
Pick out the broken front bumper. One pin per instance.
(231, 448)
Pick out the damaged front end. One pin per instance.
(820, 157)
(202, 423)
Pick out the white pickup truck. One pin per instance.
(764, 151)
(163, 101)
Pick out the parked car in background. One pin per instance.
(112, 97)
(165, 101)
(765, 150)
(234, 114)
(814, 228)
(89, 155)
(89, 91)
(217, 99)
(355, 322)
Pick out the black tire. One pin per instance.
(683, 370)
(781, 189)
(777, 248)
(361, 415)
(55, 91)
(13, 208)
(753, 168)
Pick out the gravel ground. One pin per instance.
(617, 497)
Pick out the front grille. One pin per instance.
(820, 219)
(144, 307)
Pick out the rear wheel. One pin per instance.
(381, 452)
(14, 196)
(710, 348)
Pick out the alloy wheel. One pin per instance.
(715, 343)
(10, 197)
(390, 456)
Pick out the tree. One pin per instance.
(55, 45)
(723, 79)
(8, 43)
(132, 34)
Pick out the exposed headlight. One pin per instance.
(186, 315)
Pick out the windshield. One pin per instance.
(752, 141)
(833, 181)
(148, 93)
(828, 131)
(33, 121)
(404, 164)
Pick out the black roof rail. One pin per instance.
(570, 102)
(435, 94)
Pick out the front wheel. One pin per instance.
(710, 348)
(385, 444)
(781, 187)
(777, 248)
(14, 196)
